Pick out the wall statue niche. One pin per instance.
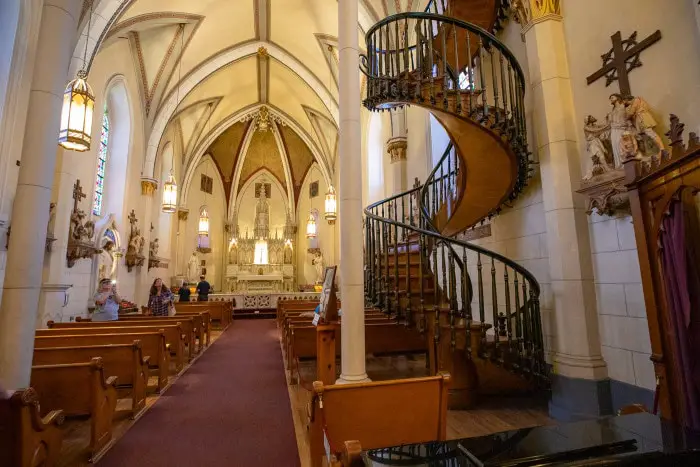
(134, 251)
(628, 133)
(80, 232)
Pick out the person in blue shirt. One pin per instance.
(106, 302)
(203, 289)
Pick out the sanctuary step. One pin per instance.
(263, 313)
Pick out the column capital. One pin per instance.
(530, 12)
(148, 186)
(182, 213)
(396, 147)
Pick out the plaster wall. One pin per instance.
(622, 316)
(327, 234)
(217, 216)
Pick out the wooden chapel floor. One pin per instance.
(491, 416)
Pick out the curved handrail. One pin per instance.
(448, 20)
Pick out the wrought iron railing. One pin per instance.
(413, 272)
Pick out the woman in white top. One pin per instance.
(106, 302)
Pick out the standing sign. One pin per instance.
(328, 306)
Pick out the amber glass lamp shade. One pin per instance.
(170, 195)
(203, 229)
(76, 115)
(331, 213)
(311, 227)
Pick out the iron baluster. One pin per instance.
(421, 277)
(466, 304)
(451, 300)
(518, 320)
(445, 76)
(494, 307)
(508, 315)
(407, 247)
(484, 110)
(458, 90)
(482, 310)
(504, 94)
(470, 74)
(397, 302)
(431, 62)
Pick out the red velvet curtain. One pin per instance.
(680, 256)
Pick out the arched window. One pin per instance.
(101, 166)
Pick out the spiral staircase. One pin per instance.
(479, 311)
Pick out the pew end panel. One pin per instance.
(26, 438)
(82, 389)
(378, 414)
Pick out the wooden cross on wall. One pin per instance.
(77, 195)
(621, 59)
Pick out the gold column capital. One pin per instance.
(530, 12)
(182, 214)
(396, 147)
(148, 186)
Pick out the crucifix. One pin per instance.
(621, 59)
(132, 217)
(77, 195)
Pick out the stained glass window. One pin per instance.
(101, 166)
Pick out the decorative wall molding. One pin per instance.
(396, 147)
(148, 186)
(606, 193)
(530, 12)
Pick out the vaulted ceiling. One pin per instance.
(205, 65)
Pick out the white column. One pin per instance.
(577, 352)
(396, 147)
(350, 199)
(30, 214)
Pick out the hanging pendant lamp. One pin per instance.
(203, 229)
(331, 213)
(170, 195)
(78, 107)
(311, 226)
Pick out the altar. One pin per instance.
(273, 282)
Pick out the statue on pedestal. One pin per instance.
(105, 262)
(317, 261)
(193, 268)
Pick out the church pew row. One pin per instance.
(200, 324)
(173, 333)
(200, 330)
(380, 338)
(305, 318)
(289, 305)
(26, 438)
(290, 324)
(153, 344)
(126, 362)
(206, 320)
(80, 389)
(186, 322)
(220, 311)
(377, 414)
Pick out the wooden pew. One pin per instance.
(185, 324)
(174, 336)
(206, 319)
(80, 389)
(200, 329)
(220, 311)
(124, 361)
(26, 438)
(153, 344)
(379, 414)
(288, 305)
(380, 338)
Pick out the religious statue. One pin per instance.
(136, 241)
(317, 261)
(288, 254)
(628, 132)
(81, 231)
(193, 268)
(639, 112)
(619, 123)
(153, 248)
(105, 261)
(52, 220)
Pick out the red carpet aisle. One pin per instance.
(231, 408)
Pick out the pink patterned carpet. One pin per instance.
(231, 408)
